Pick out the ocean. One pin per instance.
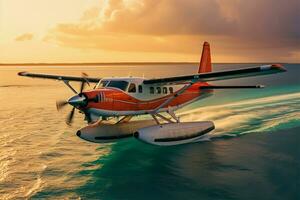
(253, 153)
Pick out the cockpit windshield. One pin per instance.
(113, 83)
(102, 84)
(118, 84)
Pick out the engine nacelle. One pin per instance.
(109, 132)
(174, 133)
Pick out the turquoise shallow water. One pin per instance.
(253, 153)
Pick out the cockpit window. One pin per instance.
(118, 84)
(102, 84)
(132, 88)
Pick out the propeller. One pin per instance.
(83, 83)
(63, 103)
(70, 116)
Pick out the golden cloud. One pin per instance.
(180, 26)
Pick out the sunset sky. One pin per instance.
(149, 30)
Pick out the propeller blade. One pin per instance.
(82, 86)
(61, 104)
(69, 119)
(84, 76)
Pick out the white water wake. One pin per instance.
(255, 115)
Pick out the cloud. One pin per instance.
(24, 37)
(90, 14)
(271, 26)
(156, 17)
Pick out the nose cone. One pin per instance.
(78, 101)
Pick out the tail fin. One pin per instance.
(205, 63)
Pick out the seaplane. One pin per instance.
(110, 106)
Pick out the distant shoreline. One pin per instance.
(120, 63)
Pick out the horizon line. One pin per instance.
(128, 63)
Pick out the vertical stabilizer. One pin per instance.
(205, 63)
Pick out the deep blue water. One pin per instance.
(254, 166)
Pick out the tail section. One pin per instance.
(205, 63)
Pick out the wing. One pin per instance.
(59, 77)
(221, 75)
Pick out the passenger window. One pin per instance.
(140, 89)
(158, 90)
(171, 90)
(151, 90)
(165, 90)
(132, 88)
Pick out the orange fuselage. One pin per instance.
(114, 99)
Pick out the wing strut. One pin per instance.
(173, 97)
(68, 84)
(155, 113)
